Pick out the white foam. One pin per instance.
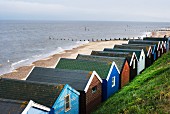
(19, 62)
(35, 56)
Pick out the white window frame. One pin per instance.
(66, 110)
(113, 81)
(134, 63)
(95, 89)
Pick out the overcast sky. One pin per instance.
(99, 10)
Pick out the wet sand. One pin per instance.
(50, 62)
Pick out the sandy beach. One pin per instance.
(50, 62)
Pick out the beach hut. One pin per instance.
(153, 47)
(147, 50)
(131, 58)
(87, 83)
(157, 43)
(108, 72)
(58, 97)
(121, 63)
(165, 41)
(139, 54)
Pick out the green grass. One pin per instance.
(148, 93)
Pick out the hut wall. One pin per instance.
(141, 63)
(110, 88)
(133, 71)
(82, 103)
(59, 105)
(93, 98)
(125, 75)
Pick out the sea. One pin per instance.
(23, 42)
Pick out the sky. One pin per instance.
(91, 10)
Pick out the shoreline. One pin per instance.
(50, 62)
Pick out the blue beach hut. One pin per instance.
(59, 98)
(108, 72)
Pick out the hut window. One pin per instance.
(67, 103)
(134, 64)
(113, 81)
(94, 89)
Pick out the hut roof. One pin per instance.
(155, 38)
(144, 47)
(137, 52)
(76, 79)
(143, 42)
(141, 45)
(42, 93)
(102, 68)
(127, 55)
(118, 60)
(8, 106)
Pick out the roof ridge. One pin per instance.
(13, 101)
(34, 82)
(95, 56)
(85, 60)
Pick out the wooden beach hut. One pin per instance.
(139, 54)
(153, 47)
(87, 83)
(121, 63)
(165, 41)
(108, 72)
(147, 50)
(58, 97)
(157, 43)
(131, 58)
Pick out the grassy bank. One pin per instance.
(148, 93)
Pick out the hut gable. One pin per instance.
(33, 107)
(42, 93)
(94, 93)
(125, 75)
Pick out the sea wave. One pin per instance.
(35, 56)
(19, 62)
